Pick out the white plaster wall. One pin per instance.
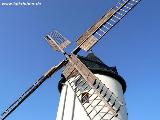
(116, 88)
(79, 113)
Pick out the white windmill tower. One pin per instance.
(90, 90)
(83, 103)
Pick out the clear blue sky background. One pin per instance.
(133, 46)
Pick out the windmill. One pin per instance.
(97, 100)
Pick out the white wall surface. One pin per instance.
(78, 113)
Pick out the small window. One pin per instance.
(85, 97)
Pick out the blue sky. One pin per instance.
(133, 46)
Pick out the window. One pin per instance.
(85, 97)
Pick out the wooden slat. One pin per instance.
(82, 69)
(89, 32)
(52, 43)
(65, 44)
(70, 71)
(87, 45)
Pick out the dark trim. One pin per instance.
(97, 66)
(113, 75)
(103, 72)
(60, 83)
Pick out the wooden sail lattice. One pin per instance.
(98, 92)
(104, 25)
(57, 41)
(94, 106)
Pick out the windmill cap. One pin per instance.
(97, 66)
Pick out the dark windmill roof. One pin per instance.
(97, 66)
(92, 57)
(94, 63)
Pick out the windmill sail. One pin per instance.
(57, 41)
(94, 106)
(108, 21)
(75, 63)
(36, 85)
(76, 68)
